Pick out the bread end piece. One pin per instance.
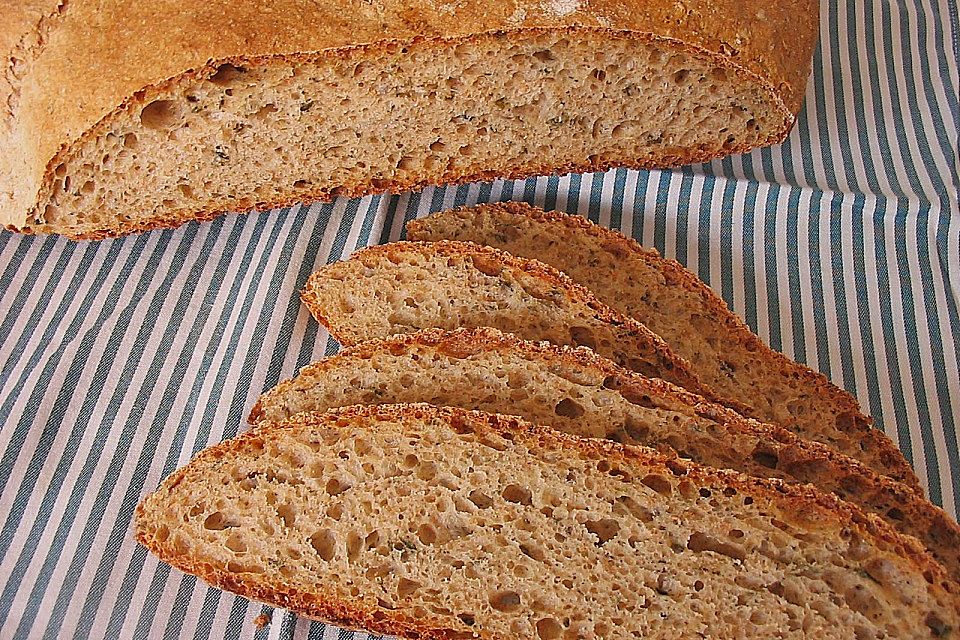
(484, 90)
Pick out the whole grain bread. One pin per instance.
(687, 314)
(117, 117)
(583, 394)
(441, 523)
(403, 287)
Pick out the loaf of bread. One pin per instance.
(406, 286)
(580, 393)
(120, 116)
(695, 322)
(441, 523)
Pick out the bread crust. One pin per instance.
(801, 502)
(627, 249)
(50, 103)
(918, 516)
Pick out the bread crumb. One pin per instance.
(262, 620)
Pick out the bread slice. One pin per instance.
(118, 117)
(580, 393)
(433, 522)
(687, 314)
(406, 286)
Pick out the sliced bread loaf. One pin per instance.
(406, 286)
(442, 523)
(119, 116)
(687, 314)
(580, 393)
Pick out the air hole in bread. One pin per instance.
(687, 490)
(336, 486)
(240, 567)
(406, 588)
(479, 498)
(659, 484)
(324, 543)
(287, 513)
(236, 544)
(637, 397)
(765, 458)
(335, 511)
(532, 551)
(427, 470)
(583, 337)
(226, 75)
(354, 546)
(627, 505)
(568, 408)
(505, 601)
(517, 494)
(216, 521)
(634, 431)
(160, 114)
(549, 629)
(700, 542)
(544, 55)
(372, 541)
(605, 529)
(427, 534)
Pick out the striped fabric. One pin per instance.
(121, 359)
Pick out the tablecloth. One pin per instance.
(121, 359)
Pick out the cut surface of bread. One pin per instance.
(687, 314)
(117, 117)
(442, 523)
(580, 393)
(403, 287)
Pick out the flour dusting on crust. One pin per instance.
(561, 8)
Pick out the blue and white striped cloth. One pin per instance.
(122, 359)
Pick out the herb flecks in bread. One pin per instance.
(440, 523)
(687, 314)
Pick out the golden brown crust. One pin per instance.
(858, 483)
(714, 307)
(673, 367)
(57, 102)
(799, 502)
